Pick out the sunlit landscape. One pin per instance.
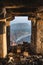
(20, 30)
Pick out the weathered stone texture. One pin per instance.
(1, 39)
(39, 42)
(1, 45)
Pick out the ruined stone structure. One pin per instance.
(31, 8)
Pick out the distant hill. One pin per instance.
(18, 30)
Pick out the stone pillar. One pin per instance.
(34, 34)
(3, 43)
(39, 43)
(1, 39)
(8, 31)
(8, 38)
(4, 40)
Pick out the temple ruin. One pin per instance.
(31, 8)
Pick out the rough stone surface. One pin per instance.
(1, 40)
(1, 48)
(39, 42)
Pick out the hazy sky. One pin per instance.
(20, 19)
